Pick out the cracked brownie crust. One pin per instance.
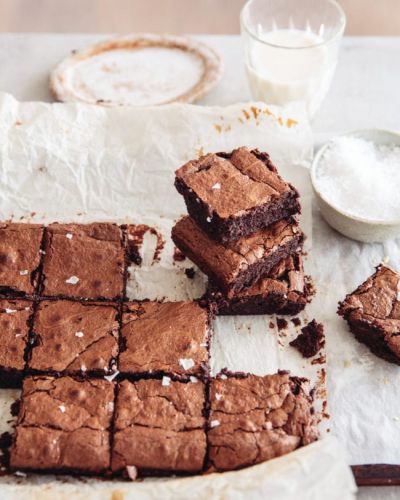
(15, 318)
(63, 425)
(83, 261)
(159, 427)
(253, 419)
(19, 258)
(165, 338)
(373, 313)
(285, 290)
(73, 338)
(238, 264)
(232, 195)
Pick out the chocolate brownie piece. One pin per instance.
(311, 339)
(238, 264)
(74, 338)
(285, 290)
(373, 313)
(253, 419)
(231, 196)
(15, 318)
(19, 258)
(165, 338)
(159, 426)
(63, 426)
(84, 261)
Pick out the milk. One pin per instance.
(302, 71)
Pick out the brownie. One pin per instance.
(253, 419)
(74, 338)
(19, 258)
(63, 425)
(168, 338)
(159, 426)
(84, 261)
(285, 290)
(373, 313)
(15, 318)
(238, 264)
(311, 339)
(231, 196)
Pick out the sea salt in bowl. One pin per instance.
(356, 180)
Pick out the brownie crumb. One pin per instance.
(271, 324)
(178, 255)
(190, 272)
(296, 321)
(311, 339)
(14, 408)
(281, 323)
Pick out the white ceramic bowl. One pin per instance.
(357, 228)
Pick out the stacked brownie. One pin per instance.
(242, 233)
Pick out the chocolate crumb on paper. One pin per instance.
(311, 340)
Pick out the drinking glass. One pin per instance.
(291, 49)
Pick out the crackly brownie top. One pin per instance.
(376, 301)
(310, 340)
(70, 336)
(14, 317)
(159, 425)
(254, 418)
(66, 403)
(84, 260)
(19, 256)
(164, 404)
(228, 260)
(232, 185)
(167, 337)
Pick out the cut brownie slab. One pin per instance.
(63, 426)
(238, 264)
(236, 194)
(15, 316)
(373, 313)
(159, 426)
(253, 419)
(84, 261)
(165, 338)
(74, 338)
(19, 258)
(285, 290)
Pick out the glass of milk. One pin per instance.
(291, 49)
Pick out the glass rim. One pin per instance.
(339, 31)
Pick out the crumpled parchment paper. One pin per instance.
(73, 162)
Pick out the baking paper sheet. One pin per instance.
(72, 162)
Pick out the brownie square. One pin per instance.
(232, 195)
(253, 419)
(15, 318)
(168, 338)
(238, 264)
(74, 338)
(159, 426)
(63, 425)
(285, 290)
(19, 258)
(84, 261)
(373, 313)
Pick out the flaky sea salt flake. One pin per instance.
(24, 272)
(73, 280)
(165, 381)
(214, 423)
(186, 364)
